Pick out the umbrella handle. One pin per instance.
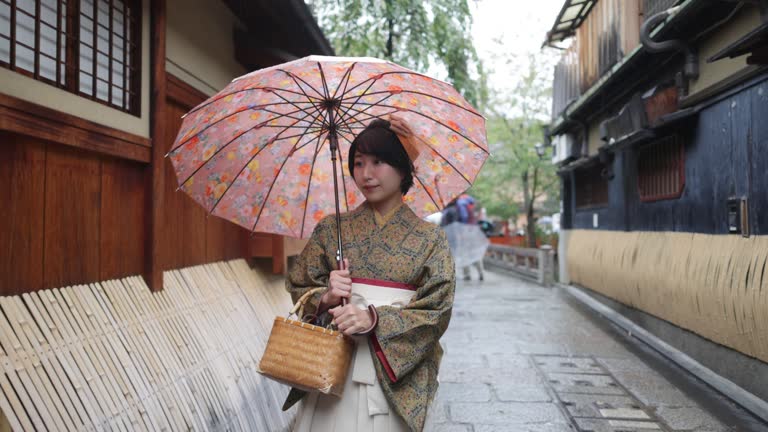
(340, 264)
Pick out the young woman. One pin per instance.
(399, 278)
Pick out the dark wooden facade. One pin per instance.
(84, 202)
(725, 157)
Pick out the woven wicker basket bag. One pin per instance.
(306, 356)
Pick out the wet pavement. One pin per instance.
(521, 357)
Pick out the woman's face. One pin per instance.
(377, 180)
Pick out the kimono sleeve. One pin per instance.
(310, 270)
(406, 337)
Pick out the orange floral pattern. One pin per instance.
(256, 153)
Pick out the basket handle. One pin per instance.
(299, 306)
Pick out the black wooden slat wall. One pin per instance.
(725, 156)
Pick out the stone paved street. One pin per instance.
(521, 357)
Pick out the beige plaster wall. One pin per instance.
(20, 86)
(710, 74)
(200, 48)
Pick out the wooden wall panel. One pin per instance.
(22, 192)
(224, 240)
(72, 212)
(185, 220)
(123, 219)
(193, 224)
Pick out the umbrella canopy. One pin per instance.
(257, 153)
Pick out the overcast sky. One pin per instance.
(520, 25)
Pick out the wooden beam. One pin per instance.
(33, 120)
(252, 53)
(156, 173)
(182, 92)
(759, 56)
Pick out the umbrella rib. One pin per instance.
(325, 83)
(219, 151)
(359, 97)
(426, 190)
(347, 76)
(379, 76)
(429, 118)
(293, 127)
(209, 102)
(355, 119)
(422, 94)
(315, 107)
(297, 79)
(211, 124)
(309, 185)
(439, 154)
(344, 183)
(274, 89)
(286, 115)
(269, 192)
(369, 106)
(241, 171)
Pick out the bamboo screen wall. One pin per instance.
(115, 356)
(712, 285)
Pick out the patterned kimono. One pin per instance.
(404, 249)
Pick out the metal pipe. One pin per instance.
(691, 67)
(656, 47)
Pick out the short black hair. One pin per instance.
(379, 140)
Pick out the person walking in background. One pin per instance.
(468, 243)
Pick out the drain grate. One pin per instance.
(592, 398)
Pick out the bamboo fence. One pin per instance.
(115, 356)
(712, 285)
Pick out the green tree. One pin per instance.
(516, 178)
(416, 34)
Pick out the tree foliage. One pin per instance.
(413, 33)
(515, 179)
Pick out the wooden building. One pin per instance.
(91, 97)
(660, 133)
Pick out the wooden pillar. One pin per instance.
(156, 173)
(279, 260)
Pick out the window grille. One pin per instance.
(591, 187)
(661, 169)
(88, 47)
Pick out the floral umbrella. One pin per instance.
(262, 152)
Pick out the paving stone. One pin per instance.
(581, 383)
(438, 411)
(596, 406)
(566, 364)
(509, 361)
(462, 359)
(516, 393)
(448, 427)
(501, 376)
(687, 418)
(645, 384)
(598, 425)
(557, 427)
(541, 348)
(506, 413)
(490, 380)
(465, 392)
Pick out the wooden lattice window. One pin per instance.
(591, 187)
(661, 169)
(88, 47)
